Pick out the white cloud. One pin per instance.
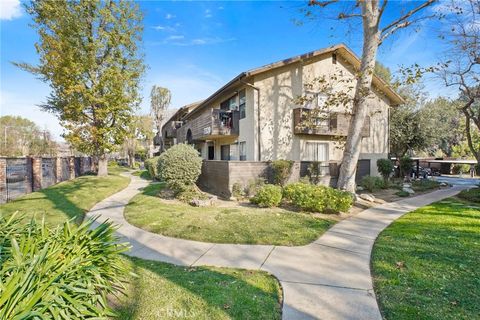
(10, 9)
(175, 38)
(169, 16)
(182, 42)
(220, 8)
(208, 13)
(164, 28)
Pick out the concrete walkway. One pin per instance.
(327, 279)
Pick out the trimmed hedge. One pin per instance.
(268, 196)
(315, 198)
(180, 166)
(151, 165)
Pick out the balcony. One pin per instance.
(211, 124)
(332, 124)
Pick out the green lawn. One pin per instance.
(67, 199)
(426, 265)
(165, 291)
(144, 174)
(249, 225)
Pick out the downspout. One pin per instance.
(259, 146)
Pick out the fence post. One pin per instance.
(36, 173)
(58, 169)
(72, 167)
(3, 180)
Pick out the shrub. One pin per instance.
(268, 196)
(151, 165)
(402, 193)
(189, 194)
(372, 183)
(238, 191)
(180, 166)
(315, 198)
(406, 165)
(61, 273)
(461, 168)
(385, 167)
(315, 171)
(425, 184)
(472, 195)
(281, 170)
(253, 186)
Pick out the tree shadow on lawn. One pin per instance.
(58, 196)
(226, 296)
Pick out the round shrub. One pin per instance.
(268, 196)
(180, 167)
(385, 167)
(315, 198)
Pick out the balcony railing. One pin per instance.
(211, 124)
(331, 124)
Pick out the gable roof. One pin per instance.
(340, 49)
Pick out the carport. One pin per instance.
(472, 163)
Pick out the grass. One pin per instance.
(426, 264)
(248, 225)
(144, 174)
(165, 291)
(66, 200)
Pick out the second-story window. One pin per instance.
(229, 104)
(241, 101)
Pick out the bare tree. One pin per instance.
(462, 70)
(160, 100)
(375, 31)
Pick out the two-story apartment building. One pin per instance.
(256, 116)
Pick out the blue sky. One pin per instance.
(193, 48)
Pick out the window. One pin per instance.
(316, 151)
(315, 100)
(241, 101)
(233, 152)
(225, 152)
(229, 104)
(242, 150)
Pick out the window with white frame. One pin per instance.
(316, 151)
(242, 149)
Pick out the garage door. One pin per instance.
(363, 169)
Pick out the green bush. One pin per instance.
(238, 191)
(406, 165)
(472, 195)
(402, 193)
(281, 171)
(315, 171)
(151, 165)
(315, 198)
(372, 183)
(268, 196)
(461, 168)
(253, 186)
(180, 166)
(385, 167)
(425, 184)
(61, 273)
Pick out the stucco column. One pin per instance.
(3, 180)
(72, 167)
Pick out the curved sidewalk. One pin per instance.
(327, 279)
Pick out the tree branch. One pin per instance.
(403, 18)
(322, 4)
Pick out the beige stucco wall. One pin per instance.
(278, 91)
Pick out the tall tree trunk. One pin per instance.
(351, 153)
(102, 166)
